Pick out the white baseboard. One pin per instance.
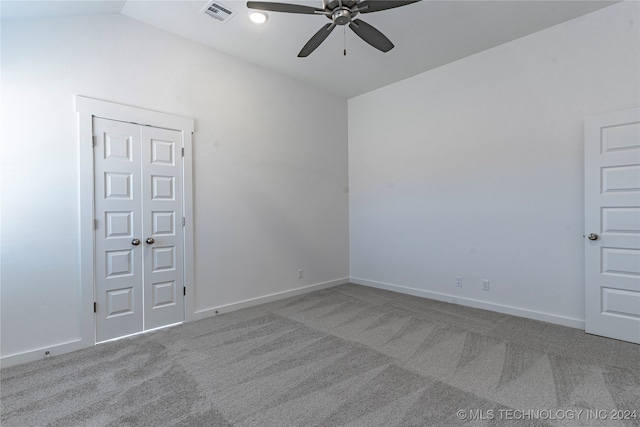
(38, 354)
(57, 349)
(469, 302)
(213, 311)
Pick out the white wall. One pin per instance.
(269, 183)
(475, 169)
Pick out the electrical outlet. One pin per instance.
(459, 281)
(300, 274)
(485, 285)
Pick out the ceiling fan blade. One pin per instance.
(283, 7)
(316, 40)
(372, 36)
(369, 6)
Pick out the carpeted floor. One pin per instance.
(345, 356)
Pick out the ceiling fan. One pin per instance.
(340, 12)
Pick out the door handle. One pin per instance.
(135, 242)
(150, 241)
(592, 236)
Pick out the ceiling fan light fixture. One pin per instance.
(258, 17)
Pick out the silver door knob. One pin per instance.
(135, 242)
(150, 241)
(592, 236)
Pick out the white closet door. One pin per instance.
(139, 233)
(118, 209)
(162, 225)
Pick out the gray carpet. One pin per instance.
(345, 356)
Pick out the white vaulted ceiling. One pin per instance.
(426, 35)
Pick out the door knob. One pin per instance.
(150, 241)
(592, 236)
(135, 242)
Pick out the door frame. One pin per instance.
(87, 109)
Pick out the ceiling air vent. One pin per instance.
(218, 11)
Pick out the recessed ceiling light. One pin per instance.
(258, 17)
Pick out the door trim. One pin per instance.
(87, 109)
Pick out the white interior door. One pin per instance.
(162, 227)
(612, 220)
(138, 233)
(118, 213)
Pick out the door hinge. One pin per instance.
(94, 140)
(184, 222)
(182, 151)
(95, 224)
(184, 290)
(95, 307)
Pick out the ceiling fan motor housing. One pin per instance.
(342, 16)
